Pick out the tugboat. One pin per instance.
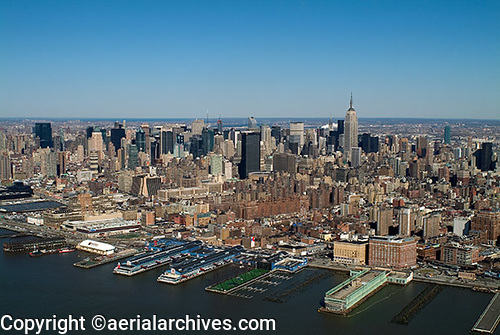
(36, 253)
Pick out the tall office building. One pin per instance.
(96, 142)
(370, 143)
(250, 154)
(147, 140)
(484, 157)
(43, 130)
(350, 131)
(276, 133)
(117, 133)
(447, 135)
(252, 123)
(133, 157)
(219, 126)
(197, 126)
(355, 157)
(167, 142)
(208, 140)
(297, 135)
(140, 140)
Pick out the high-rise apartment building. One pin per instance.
(488, 221)
(384, 220)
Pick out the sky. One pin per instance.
(271, 58)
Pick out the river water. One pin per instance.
(44, 286)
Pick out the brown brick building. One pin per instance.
(488, 221)
(392, 252)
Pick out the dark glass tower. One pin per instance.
(167, 142)
(140, 140)
(208, 140)
(484, 157)
(117, 133)
(447, 135)
(44, 132)
(250, 154)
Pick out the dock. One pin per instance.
(150, 260)
(488, 321)
(194, 267)
(91, 263)
(32, 242)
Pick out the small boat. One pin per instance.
(65, 250)
(36, 253)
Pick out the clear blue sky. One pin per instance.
(239, 58)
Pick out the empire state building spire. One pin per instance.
(350, 104)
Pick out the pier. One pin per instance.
(91, 263)
(347, 295)
(364, 282)
(154, 259)
(31, 242)
(488, 321)
(193, 267)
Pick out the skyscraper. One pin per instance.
(252, 123)
(484, 157)
(44, 132)
(447, 135)
(133, 159)
(350, 131)
(117, 133)
(197, 126)
(219, 126)
(140, 140)
(208, 140)
(167, 142)
(250, 154)
(296, 135)
(355, 157)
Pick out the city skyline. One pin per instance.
(165, 59)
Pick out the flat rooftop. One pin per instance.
(343, 292)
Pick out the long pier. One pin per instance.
(91, 263)
(488, 321)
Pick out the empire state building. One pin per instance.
(350, 131)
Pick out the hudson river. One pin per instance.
(44, 286)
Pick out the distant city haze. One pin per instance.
(180, 59)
